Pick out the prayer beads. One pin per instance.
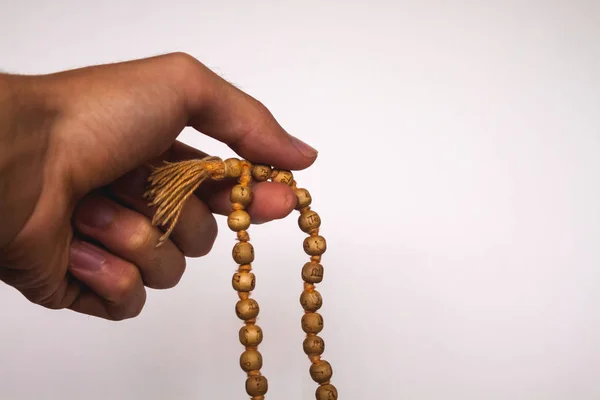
(170, 187)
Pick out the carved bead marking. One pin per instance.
(309, 220)
(243, 253)
(247, 309)
(238, 220)
(311, 300)
(326, 392)
(251, 360)
(251, 335)
(315, 245)
(261, 172)
(241, 194)
(312, 322)
(282, 176)
(303, 199)
(257, 385)
(243, 281)
(313, 346)
(233, 167)
(321, 371)
(312, 272)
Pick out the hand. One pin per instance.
(74, 149)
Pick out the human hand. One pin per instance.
(74, 153)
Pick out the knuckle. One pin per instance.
(260, 120)
(180, 58)
(40, 288)
(118, 316)
(179, 266)
(130, 310)
(134, 312)
(49, 300)
(200, 248)
(262, 111)
(166, 272)
(56, 298)
(126, 286)
(210, 239)
(141, 237)
(185, 64)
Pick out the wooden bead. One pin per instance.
(238, 220)
(308, 221)
(261, 172)
(321, 371)
(247, 309)
(311, 300)
(251, 335)
(251, 360)
(243, 253)
(243, 281)
(326, 392)
(315, 245)
(312, 272)
(241, 194)
(282, 176)
(233, 167)
(257, 385)
(313, 346)
(303, 198)
(312, 322)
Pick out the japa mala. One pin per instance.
(171, 184)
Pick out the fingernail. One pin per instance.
(99, 214)
(84, 256)
(303, 148)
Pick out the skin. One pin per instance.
(75, 150)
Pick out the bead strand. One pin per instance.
(310, 299)
(312, 273)
(244, 281)
(173, 183)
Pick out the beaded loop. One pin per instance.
(173, 183)
(244, 281)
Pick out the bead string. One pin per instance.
(173, 183)
(243, 281)
(312, 323)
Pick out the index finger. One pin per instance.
(223, 112)
(136, 109)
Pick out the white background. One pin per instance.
(457, 182)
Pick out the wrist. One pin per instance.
(23, 144)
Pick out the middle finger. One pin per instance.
(196, 229)
(130, 236)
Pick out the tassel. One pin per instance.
(171, 184)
